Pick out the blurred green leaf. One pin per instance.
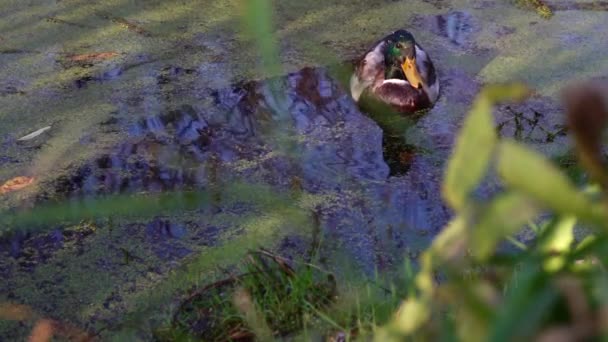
(526, 304)
(471, 155)
(530, 173)
(586, 242)
(450, 244)
(410, 278)
(469, 327)
(411, 315)
(139, 205)
(475, 144)
(558, 242)
(117, 206)
(258, 18)
(534, 226)
(505, 92)
(505, 215)
(259, 24)
(474, 299)
(448, 329)
(517, 244)
(452, 240)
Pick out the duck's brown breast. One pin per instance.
(403, 97)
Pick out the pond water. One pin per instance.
(145, 98)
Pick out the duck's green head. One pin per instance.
(400, 52)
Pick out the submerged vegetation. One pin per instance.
(539, 6)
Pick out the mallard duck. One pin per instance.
(397, 71)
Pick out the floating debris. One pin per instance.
(15, 184)
(85, 60)
(34, 134)
(126, 24)
(16, 51)
(11, 90)
(92, 57)
(130, 26)
(55, 20)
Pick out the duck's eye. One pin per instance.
(399, 46)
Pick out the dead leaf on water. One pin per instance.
(15, 184)
(42, 332)
(45, 328)
(14, 312)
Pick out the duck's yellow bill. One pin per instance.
(411, 72)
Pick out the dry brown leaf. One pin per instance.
(587, 119)
(71, 332)
(92, 57)
(42, 332)
(44, 329)
(14, 312)
(15, 184)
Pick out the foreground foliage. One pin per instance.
(469, 285)
(554, 286)
(267, 299)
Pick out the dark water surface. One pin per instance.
(151, 98)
